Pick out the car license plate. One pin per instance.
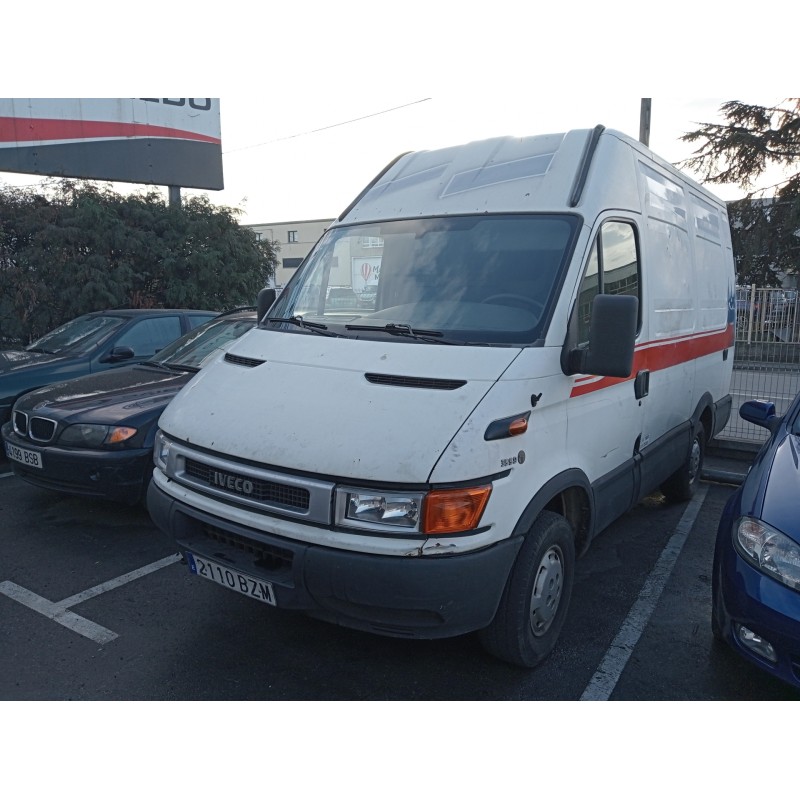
(231, 579)
(27, 457)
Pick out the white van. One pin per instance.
(535, 333)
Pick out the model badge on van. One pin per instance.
(231, 482)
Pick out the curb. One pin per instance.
(722, 476)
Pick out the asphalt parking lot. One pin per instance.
(95, 605)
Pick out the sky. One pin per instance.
(312, 158)
(315, 99)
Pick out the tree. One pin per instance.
(764, 228)
(79, 247)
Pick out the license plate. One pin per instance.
(27, 457)
(231, 579)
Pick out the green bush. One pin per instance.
(78, 246)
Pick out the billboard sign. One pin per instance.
(152, 140)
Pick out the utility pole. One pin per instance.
(644, 122)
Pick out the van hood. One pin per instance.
(362, 410)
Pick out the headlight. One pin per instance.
(769, 550)
(86, 435)
(161, 451)
(439, 512)
(367, 508)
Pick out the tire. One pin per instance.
(534, 604)
(680, 486)
(716, 628)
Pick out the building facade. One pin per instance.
(294, 240)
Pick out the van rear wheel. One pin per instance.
(681, 484)
(534, 604)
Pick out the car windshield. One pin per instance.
(486, 279)
(192, 349)
(78, 335)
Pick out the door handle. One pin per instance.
(641, 384)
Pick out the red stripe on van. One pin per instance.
(662, 354)
(15, 129)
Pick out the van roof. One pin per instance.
(510, 174)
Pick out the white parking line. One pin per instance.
(115, 582)
(605, 679)
(58, 611)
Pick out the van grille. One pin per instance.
(274, 559)
(249, 487)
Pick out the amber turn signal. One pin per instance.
(454, 510)
(116, 435)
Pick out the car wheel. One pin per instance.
(681, 484)
(534, 604)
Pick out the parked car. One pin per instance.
(756, 577)
(94, 435)
(92, 343)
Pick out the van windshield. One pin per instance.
(473, 279)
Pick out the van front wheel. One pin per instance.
(680, 486)
(534, 604)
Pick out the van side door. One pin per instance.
(604, 415)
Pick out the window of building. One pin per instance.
(291, 263)
(371, 241)
(292, 237)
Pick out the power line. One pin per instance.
(326, 127)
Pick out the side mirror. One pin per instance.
(612, 338)
(761, 413)
(119, 354)
(266, 297)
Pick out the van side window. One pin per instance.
(590, 286)
(613, 268)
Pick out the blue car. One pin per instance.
(756, 578)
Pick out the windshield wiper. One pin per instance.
(420, 334)
(313, 327)
(41, 350)
(180, 367)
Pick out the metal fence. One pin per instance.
(766, 364)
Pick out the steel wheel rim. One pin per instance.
(548, 585)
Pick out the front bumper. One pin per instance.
(403, 596)
(118, 475)
(745, 596)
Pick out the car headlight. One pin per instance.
(439, 512)
(90, 435)
(161, 451)
(769, 550)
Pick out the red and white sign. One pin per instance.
(166, 141)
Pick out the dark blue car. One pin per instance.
(93, 343)
(756, 578)
(94, 435)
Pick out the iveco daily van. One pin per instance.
(535, 333)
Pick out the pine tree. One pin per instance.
(765, 224)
